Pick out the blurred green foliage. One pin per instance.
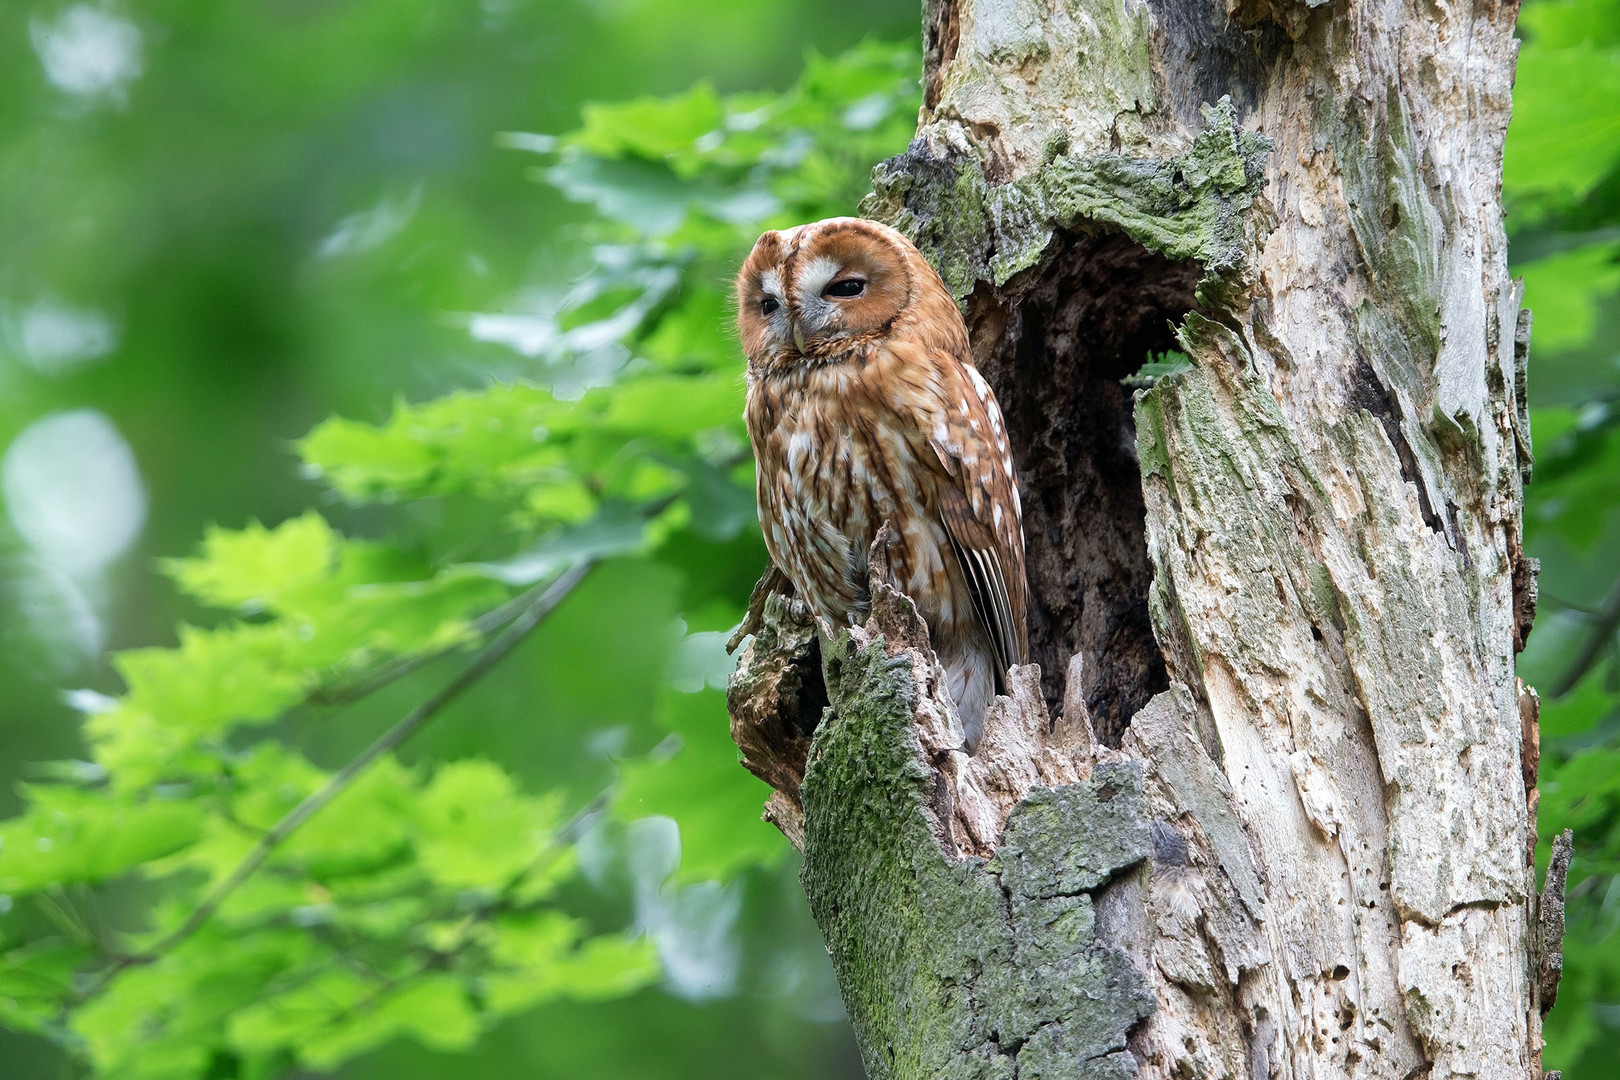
(1562, 188)
(229, 226)
(225, 224)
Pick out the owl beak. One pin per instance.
(798, 335)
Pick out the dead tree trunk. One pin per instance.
(1265, 807)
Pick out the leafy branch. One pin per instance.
(423, 903)
(526, 621)
(394, 670)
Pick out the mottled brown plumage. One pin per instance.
(863, 407)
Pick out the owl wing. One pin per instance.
(979, 503)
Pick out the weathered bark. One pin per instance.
(1284, 588)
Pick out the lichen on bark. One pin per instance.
(1192, 205)
(954, 966)
(1276, 597)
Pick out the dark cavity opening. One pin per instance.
(1055, 343)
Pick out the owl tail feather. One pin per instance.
(971, 679)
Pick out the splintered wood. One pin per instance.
(776, 694)
(1295, 569)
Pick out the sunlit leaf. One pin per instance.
(250, 567)
(474, 830)
(73, 835)
(654, 128)
(1566, 101)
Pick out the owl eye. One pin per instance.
(845, 288)
(769, 305)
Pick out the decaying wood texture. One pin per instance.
(1263, 806)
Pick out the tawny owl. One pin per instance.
(864, 408)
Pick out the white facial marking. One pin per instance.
(816, 274)
(771, 282)
(776, 323)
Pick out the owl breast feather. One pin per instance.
(837, 464)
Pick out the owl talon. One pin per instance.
(798, 611)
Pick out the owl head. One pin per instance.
(816, 293)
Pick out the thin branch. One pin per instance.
(389, 740)
(486, 623)
(576, 826)
(504, 901)
(398, 668)
(1608, 621)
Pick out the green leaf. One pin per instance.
(654, 128)
(1579, 710)
(250, 567)
(608, 967)
(35, 978)
(434, 1010)
(1557, 634)
(618, 529)
(336, 1014)
(673, 405)
(72, 835)
(474, 830)
(1580, 793)
(181, 698)
(541, 958)
(1565, 133)
(354, 613)
(1565, 290)
(1577, 492)
(696, 332)
(463, 442)
(646, 196)
(161, 1019)
(567, 499)
(1566, 119)
(704, 787)
(364, 829)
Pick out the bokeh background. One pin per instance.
(221, 223)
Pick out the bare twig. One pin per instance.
(1552, 918)
(407, 726)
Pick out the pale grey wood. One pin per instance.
(1286, 835)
